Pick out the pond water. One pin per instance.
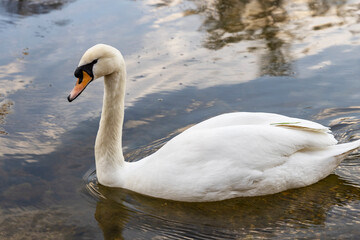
(187, 61)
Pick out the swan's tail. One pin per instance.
(344, 149)
(319, 163)
(330, 156)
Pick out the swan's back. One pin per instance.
(258, 118)
(238, 154)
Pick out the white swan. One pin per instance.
(227, 156)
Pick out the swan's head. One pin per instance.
(98, 61)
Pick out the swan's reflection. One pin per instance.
(112, 217)
(125, 214)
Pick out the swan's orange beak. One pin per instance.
(81, 84)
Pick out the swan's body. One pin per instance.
(231, 155)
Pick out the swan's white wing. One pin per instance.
(255, 147)
(249, 118)
(213, 163)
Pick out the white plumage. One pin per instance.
(227, 156)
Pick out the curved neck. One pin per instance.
(108, 146)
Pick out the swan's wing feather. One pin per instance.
(215, 163)
(220, 158)
(302, 126)
(245, 147)
(249, 118)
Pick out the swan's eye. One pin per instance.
(78, 73)
(88, 68)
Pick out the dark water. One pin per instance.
(187, 61)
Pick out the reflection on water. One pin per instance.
(229, 22)
(243, 40)
(32, 7)
(272, 28)
(5, 109)
(344, 122)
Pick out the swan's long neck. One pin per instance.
(108, 146)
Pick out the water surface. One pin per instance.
(187, 61)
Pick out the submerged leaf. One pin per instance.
(285, 123)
